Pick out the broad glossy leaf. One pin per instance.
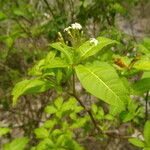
(102, 81)
(4, 131)
(17, 144)
(88, 48)
(66, 50)
(147, 133)
(29, 87)
(136, 142)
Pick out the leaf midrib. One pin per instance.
(101, 81)
(84, 53)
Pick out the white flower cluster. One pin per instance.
(93, 41)
(75, 26)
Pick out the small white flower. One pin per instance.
(67, 29)
(76, 26)
(93, 41)
(128, 54)
(46, 15)
(134, 49)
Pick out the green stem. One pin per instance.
(73, 84)
(146, 105)
(81, 103)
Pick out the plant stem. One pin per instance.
(49, 8)
(89, 113)
(81, 103)
(73, 84)
(146, 105)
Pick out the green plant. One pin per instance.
(105, 79)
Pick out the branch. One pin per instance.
(49, 8)
(89, 113)
(146, 105)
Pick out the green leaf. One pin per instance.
(143, 49)
(36, 69)
(50, 56)
(55, 63)
(88, 49)
(94, 108)
(146, 148)
(17, 144)
(66, 50)
(146, 74)
(2, 16)
(50, 109)
(41, 133)
(102, 81)
(4, 131)
(147, 133)
(136, 142)
(141, 86)
(127, 116)
(19, 12)
(45, 144)
(142, 65)
(58, 102)
(49, 124)
(146, 43)
(119, 8)
(29, 87)
(9, 42)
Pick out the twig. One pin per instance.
(49, 8)
(80, 102)
(89, 113)
(146, 105)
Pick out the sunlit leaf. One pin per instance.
(147, 133)
(102, 81)
(88, 48)
(17, 144)
(66, 50)
(4, 131)
(29, 87)
(136, 142)
(41, 133)
(141, 86)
